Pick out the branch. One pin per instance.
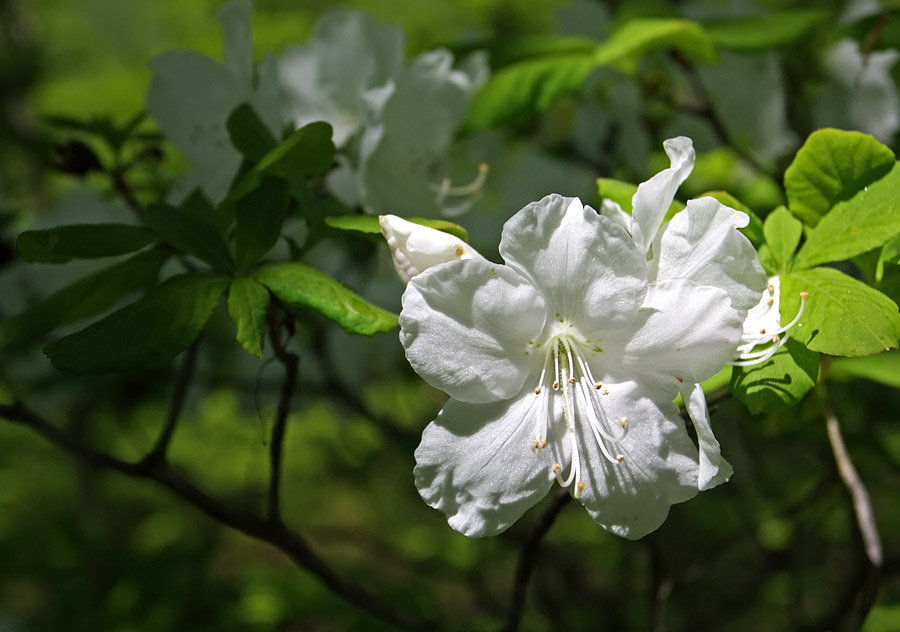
(182, 383)
(291, 364)
(276, 534)
(528, 557)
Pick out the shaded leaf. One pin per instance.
(248, 304)
(761, 32)
(639, 36)
(297, 285)
(194, 234)
(883, 368)
(308, 151)
(248, 133)
(147, 334)
(831, 166)
(87, 296)
(259, 216)
(81, 241)
(778, 383)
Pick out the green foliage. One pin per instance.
(762, 32)
(193, 233)
(248, 133)
(369, 224)
(307, 151)
(248, 304)
(843, 316)
(639, 36)
(831, 167)
(883, 368)
(259, 216)
(778, 383)
(782, 233)
(298, 286)
(146, 334)
(81, 241)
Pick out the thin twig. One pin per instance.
(291, 364)
(182, 384)
(276, 534)
(528, 557)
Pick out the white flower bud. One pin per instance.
(415, 248)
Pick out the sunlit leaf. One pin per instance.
(297, 285)
(248, 303)
(87, 296)
(639, 36)
(843, 316)
(782, 232)
(864, 222)
(831, 166)
(147, 334)
(81, 241)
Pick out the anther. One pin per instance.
(620, 457)
(605, 392)
(571, 380)
(680, 379)
(537, 391)
(579, 488)
(598, 385)
(555, 385)
(557, 468)
(624, 421)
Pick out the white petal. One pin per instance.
(684, 333)
(653, 197)
(415, 248)
(477, 465)
(714, 470)
(466, 328)
(585, 265)
(659, 468)
(702, 243)
(613, 211)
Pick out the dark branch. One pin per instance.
(291, 364)
(273, 533)
(528, 557)
(182, 384)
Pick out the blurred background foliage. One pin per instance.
(85, 549)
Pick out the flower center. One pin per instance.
(566, 378)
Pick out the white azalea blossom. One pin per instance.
(562, 363)
(415, 248)
(763, 333)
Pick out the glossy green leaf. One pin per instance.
(864, 222)
(87, 296)
(883, 368)
(778, 383)
(248, 304)
(782, 232)
(297, 285)
(194, 234)
(147, 334)
(259, 216)
(761, 32)
(308, 151)
(528, 87)
(843, 317)
(81, 241)
(831, 166)
(249, 134)
(639, 36)
(369, 224)
(504, 51)
(754, 230)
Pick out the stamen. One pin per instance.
(747, 355)
(468, 193)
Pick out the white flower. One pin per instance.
(415, 248)
(763, 333)
(563, 363)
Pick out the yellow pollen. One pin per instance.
(620, 457)
(537, 391)
(605, 392)
(579, 488)
(459, 251)
(542, 444)
(571, 380)
(598, 386)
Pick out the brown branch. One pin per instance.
(274, 533)
(528, 558)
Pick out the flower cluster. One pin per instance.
(562, 363)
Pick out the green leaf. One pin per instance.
(754, 230)
(248, 304)
(504, 51)
(81, 241)
(639, 36)
(883, 368)
(308, 151)
(759, 33)
(147, 334)
(194, 234)
(782, 231)
(249, 134)
(831, 166)
(87, 296)
(526, 88)
(297, 286)
(866, 221)
(843, 316)
(778, 383)
(622, 192)
(369, 224)
(259, 215)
